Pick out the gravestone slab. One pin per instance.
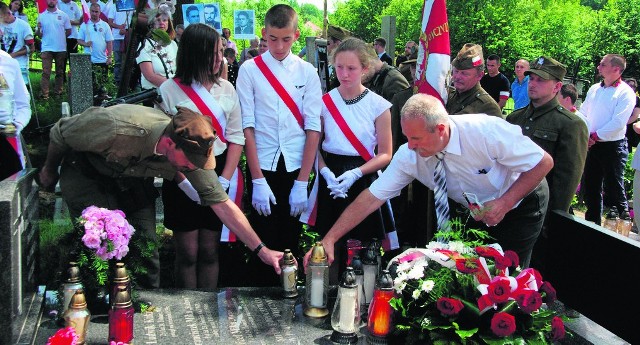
(80, 83)
(18, 246)
(248, 316)
(230, 315)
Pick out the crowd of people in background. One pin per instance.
(269, 103)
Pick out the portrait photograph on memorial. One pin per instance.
(192, 13)
(212, 16)
(125, 5)
(243, 23)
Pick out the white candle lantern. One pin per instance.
(317, 285)
(345, 318)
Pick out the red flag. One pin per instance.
(85, 11)
(434, 51)
(42, 5)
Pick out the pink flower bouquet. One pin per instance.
(106, 231)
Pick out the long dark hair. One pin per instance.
(197, 54)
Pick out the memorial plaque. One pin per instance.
(234, 315)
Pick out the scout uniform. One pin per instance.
(475, 100)
(559, 132)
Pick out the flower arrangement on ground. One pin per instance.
(467, 292)
(101, 238)
(64, 336)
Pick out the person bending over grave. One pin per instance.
(109, 157)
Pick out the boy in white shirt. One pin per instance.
(281, 136)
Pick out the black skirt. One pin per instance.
(373, 226)
(182, 214)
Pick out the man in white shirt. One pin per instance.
(119, 23)
(75, 18)
(11, 153)
(607, 106)
(96, 36)
(16, 38)
(54, 27)
(479, 160)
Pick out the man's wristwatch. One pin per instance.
(258, 248)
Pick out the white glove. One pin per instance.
(188, 189)
(332, 183)
(18, 126)
(261, 197)
(347, 179)
(298, 198)
(224, 182)
(6, 118)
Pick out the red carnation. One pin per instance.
(503, 324)
(550, 292)
(449, 306)
(529, 301)
(557, 329)
(66, 336)
(513, 257)
(500, 289)
(502, 262)
(467, 265)
(488, 252)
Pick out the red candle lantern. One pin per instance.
(380, 311)
(121, 318)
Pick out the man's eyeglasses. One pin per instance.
(95, 28)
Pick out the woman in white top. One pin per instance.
(367, 117)
(157, 60)
(198, 86)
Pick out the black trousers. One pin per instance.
(279, 231)
(520, 228)
(605, 164)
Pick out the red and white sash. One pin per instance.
(391, 240)
(16, 143)
(280, 90)
(208, 106)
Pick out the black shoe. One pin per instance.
(612, 214)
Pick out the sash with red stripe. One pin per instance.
(391, 238)
(202, 107)
(280, 90)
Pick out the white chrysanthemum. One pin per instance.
(416, 293)
(416, 272)
(427, 285)
(425, 322)
(403, 267)
(457, 246)
(399, 285)
(435, 245)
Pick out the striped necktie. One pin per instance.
(440, 193)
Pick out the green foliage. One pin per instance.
(629, 172)
(361, 17)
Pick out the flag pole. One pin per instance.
(325, 21)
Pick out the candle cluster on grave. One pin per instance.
(363, 294)
(75, 312)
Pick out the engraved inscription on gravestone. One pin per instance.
(239, 316)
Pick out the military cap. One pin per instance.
(547, 68)
(470, 56)
(338, 32)
(194, 134)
